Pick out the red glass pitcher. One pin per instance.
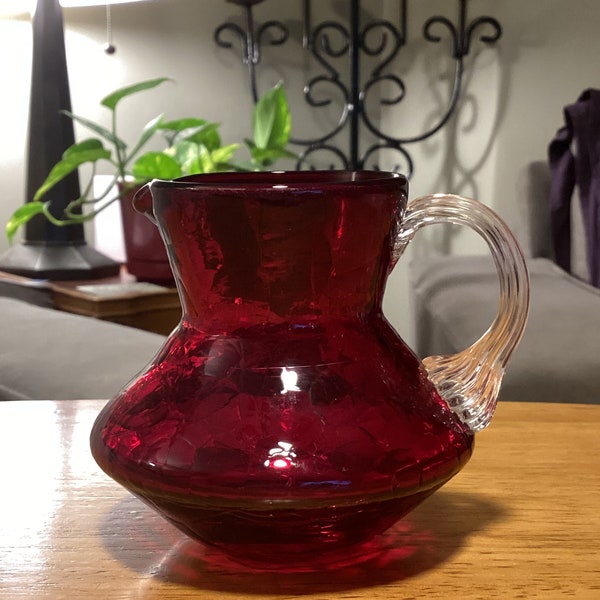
(284, 421)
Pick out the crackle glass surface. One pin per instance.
(284, 421)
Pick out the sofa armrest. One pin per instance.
(49, 354)
(456, 297)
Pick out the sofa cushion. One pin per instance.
(455, 301)
(48, 354)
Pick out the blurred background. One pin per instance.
(510, 107)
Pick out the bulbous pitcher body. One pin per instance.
(284, 421)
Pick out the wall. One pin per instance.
(513, 94)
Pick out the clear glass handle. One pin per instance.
(470, 380)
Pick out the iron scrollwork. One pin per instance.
(379, 40)
(251, 38)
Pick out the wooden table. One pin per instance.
(522, 520)
(137, 304)
(119, 299)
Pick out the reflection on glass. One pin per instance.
(281, 457)
(289, 380)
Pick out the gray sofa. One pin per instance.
(455, 299)
(48, 354)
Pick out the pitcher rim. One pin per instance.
(282, 179)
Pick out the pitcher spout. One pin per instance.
(142, 202)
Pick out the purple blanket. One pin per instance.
(574, 156)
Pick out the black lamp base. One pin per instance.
(58, 262)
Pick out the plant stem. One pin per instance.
(120, 155)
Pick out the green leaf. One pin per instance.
(242, 165)
(170, 129)
(115, 97)
(265, 157)
(21, 216)
(181, 124)
(271, 120)
(183, 153)
(193, 158)
(224, 154)
(206, 135)
(149, 130)
(156, 165)
(89, 144)
(76, 155)
(205, 162)
(196, 165)
(101, 131)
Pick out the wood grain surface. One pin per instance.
(522, 520)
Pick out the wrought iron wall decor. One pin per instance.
(357, 43)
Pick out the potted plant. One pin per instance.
(193, 145)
